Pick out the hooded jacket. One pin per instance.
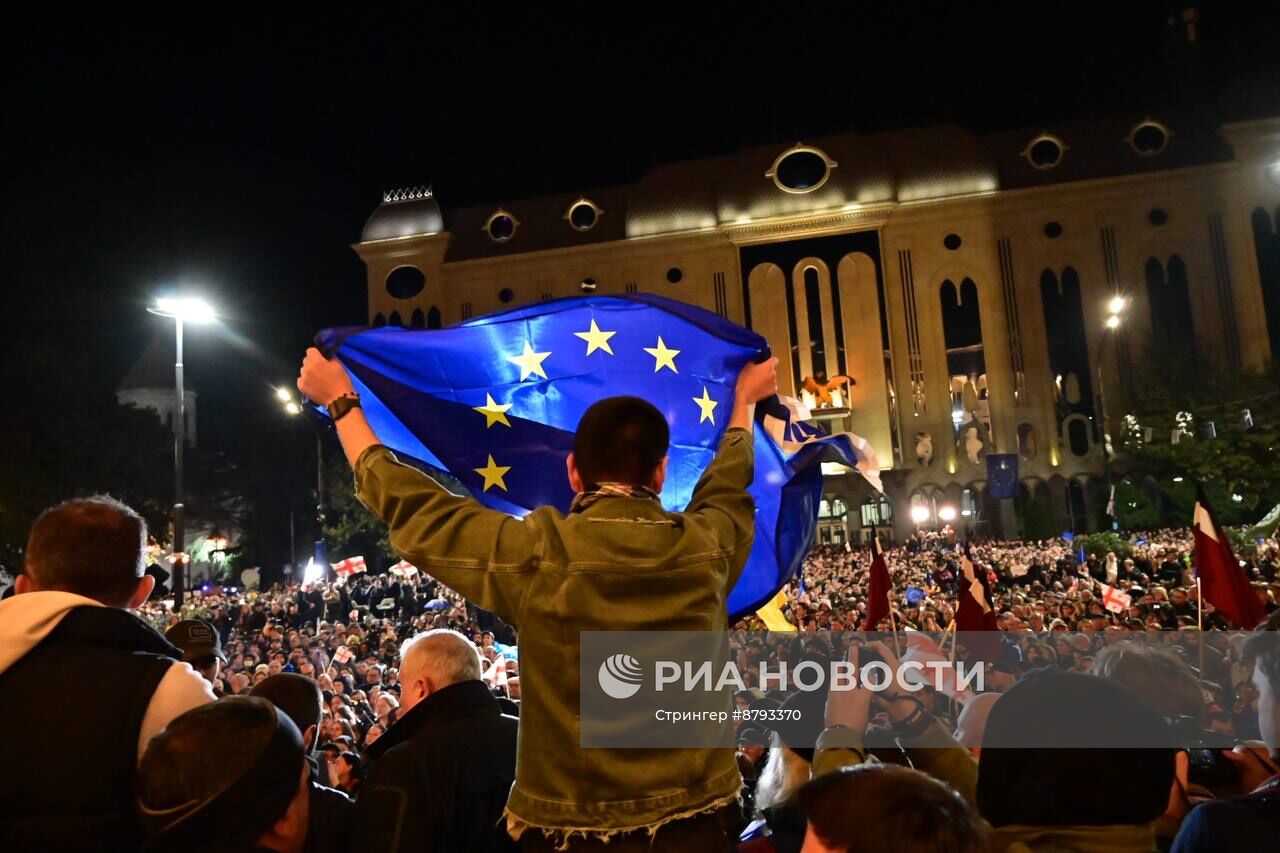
(83, 688)
(620, 563)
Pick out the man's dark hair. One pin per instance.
(883, 807)
(89, 546)
(296, 695)
(620, 440)
(1262, 650)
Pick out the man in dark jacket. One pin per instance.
(330, 809)
(442, 772)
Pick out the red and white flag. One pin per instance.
(1115, 600)
(404, 569)
(1223, 582)
(349, 567)
(878, 586)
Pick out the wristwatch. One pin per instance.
(344, 404)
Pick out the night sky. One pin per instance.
(242, 153)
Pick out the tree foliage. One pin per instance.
(1178, 391)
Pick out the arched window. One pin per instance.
(1170, 298)
(1266, 243)
(379, 320)
(1061, 301)
(824, 508)
(418, 320)
(1078, 436)
(433, 318)
(394, 319)
(813, 299)
(966, 362)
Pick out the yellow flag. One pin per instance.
(771, 613)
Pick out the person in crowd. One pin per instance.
(201, 647)
(349, 771)
(521, 570)
(227, 777)
(85, 682)
(1060, 768)
(441, 774)
(329, 809)
(870, 808)
(1250, 821)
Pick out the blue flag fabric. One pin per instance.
(494, 402)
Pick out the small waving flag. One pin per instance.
(1115, 600)
(494, 402)
(403, 569)
(349, 567)
(1222, 582)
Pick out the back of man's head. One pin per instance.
(620, 440)
(883, 807)
(89, 546)
(1090, 743)
(221, 776)
(434, 660)
(298, 696)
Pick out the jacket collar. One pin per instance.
(464, 699)
(596, 492)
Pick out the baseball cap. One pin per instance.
(197, 639)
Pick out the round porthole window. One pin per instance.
(588, 285)
(501, 226)
(1148, 138)
(674, 275)
(1053, 230)
(583, 215)
(951, 241)
(1044, 151)
(1157, 217)
(801, 169)
(405, 282)
(506, 295)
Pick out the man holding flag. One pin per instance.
(616, 561)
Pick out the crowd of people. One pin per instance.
(387, 713)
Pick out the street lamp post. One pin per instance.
(181, 311)
(293, 408)
(1116, 308)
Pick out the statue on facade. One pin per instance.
(821, 387)
(924, 448)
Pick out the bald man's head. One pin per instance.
(434, 660)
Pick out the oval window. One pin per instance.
(506, 295)
(801, 169)
(1078, 437)
(406, 282)
(674, 275)
(583, 215)
(1045, 151)
(1157, 217)
(1052, 230)
(951, 241)
(501, 226)
(1149, 138)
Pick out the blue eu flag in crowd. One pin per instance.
(494, 402)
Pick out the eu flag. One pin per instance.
(494, 402)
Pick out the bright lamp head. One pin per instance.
(283, 395)
(947, 513)
(1113, 322)
(919, 514)
(188, 309)
(1116, 305)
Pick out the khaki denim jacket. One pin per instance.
(620, 564)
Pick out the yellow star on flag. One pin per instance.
(596, 339)
(663, 357)
(493, 474)
(530, 362)
(707, 405)
(493, 412)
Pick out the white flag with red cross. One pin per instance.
(1115, 600)
(349, 567)
(404, 569)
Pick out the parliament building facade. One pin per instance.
(963, 282)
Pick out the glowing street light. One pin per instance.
(180, 309)
(1113, 322)
(293, 407)
(283, 395)
(1116, 305)
(919, 514)
(946, 513)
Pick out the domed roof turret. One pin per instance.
(404, 213)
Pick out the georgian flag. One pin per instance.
(1115, 600)
(404, 569)
(349, 567)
